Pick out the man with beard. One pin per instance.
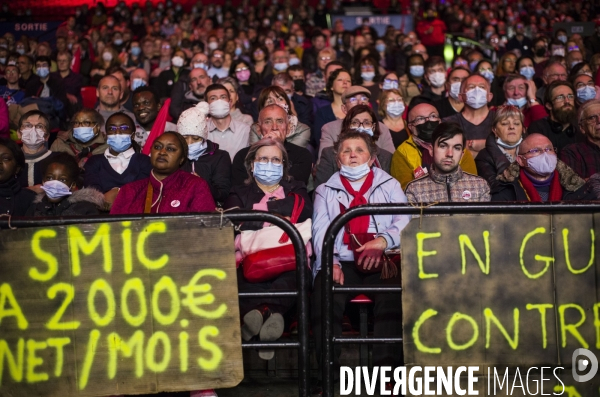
(199, 80)
(145, 109)
(560, 127)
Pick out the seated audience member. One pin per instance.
(60, 196)
(502, 146)
(84, 138)
(353, 96)
(47, 85)
(323, 97)
(109, 95)
(11, 92)
(446, 181)
(585, 88)
(236, 114)
(584, 157)
(360, 118)
(167, 78)
(229, 134)
(561, 125)
(451, 104)
(26, 75)
(553, 71)
(476, 117)
(267, 188)
(120, 164)
(273, 121)
(120, 74)
(170, 188)
(14, 200)
(298, 134)
(435, 77)
(538, 176)
(414, 157)
(71, 81)
(338, 82)
(315, 82)
(205, 158)
(358, 182)
(391, 111)
(33, 131)
(184, 96)
(145, 108)
(520, 92)
(301, 105)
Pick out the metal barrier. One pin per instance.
(403, 209)
(302, 281)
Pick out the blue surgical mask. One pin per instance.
(367, 76)
(238, 51)
(488, 75)
(280, 66)
(137, 83)
(136, 51)
(294, 61)
(83, 134)
(586, 93)
(119, 142)
(43, 72)
(380, 47)
(196, 149)
(118, 41)
(368, 131)
(395, 108)
(56, 189)
(517, 102)
(355, 173)
(268, 174)
(390, 85)
(562, 38)
(473, 65)
(417, 70)
(505, 145)
(527, 72)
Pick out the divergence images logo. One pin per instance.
(580, 365)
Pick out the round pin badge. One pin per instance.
(466, 195)
(175, 203)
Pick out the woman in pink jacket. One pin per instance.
(168, 189)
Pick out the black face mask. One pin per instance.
(540, 52)
(425, 130)
(299, 85)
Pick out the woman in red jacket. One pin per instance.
(168, 189)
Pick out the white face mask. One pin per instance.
(107, 56)
(355, 173)
(395, 109)
(455, 89)
(177, 61)
(219, 109)
(32, 137)
(213, 45)
(544, 164)
(437, 79)
(476, 98)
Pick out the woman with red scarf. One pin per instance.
(359, 248)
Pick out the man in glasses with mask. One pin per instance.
(414, 157)
(476, 118)
(538, 176)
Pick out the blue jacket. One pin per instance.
(331, 194)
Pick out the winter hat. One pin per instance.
(193, 121)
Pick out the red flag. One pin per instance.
(158, 128)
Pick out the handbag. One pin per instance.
(268, 252)
(389, 261)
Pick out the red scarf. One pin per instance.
(555, 193)
(359, 224)
(158, 127)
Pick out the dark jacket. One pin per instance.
(300, 164)
(100, 175)
(181, 101)
(33, 168)
(554, 131)
(245, 196)
(82, 202)
(165, 81)
(427, 96)
(15, 200)
(491, 162)
(214, 166)
(309, 60)
(57, 90)
(328, 165)
(303, 107)
(574, 187)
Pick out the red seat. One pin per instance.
(89, 97)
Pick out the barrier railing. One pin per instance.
(338, 223)
(302, 281)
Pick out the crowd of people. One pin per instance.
(253, 107)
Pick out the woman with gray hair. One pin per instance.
(502, 145)
(268, 188)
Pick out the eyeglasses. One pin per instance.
(325, 58)
(589, 84)
(593, 119)
(117, 128)
(561, 98)
(421, 119)
(166, 47)
(241, 70)
(272, 160)
(85, 123)
(37, 126)
(561, 76)
(365, 124)
(355, 99)
(537, 151)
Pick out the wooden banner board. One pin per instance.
(501, 290)
(119, 308)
